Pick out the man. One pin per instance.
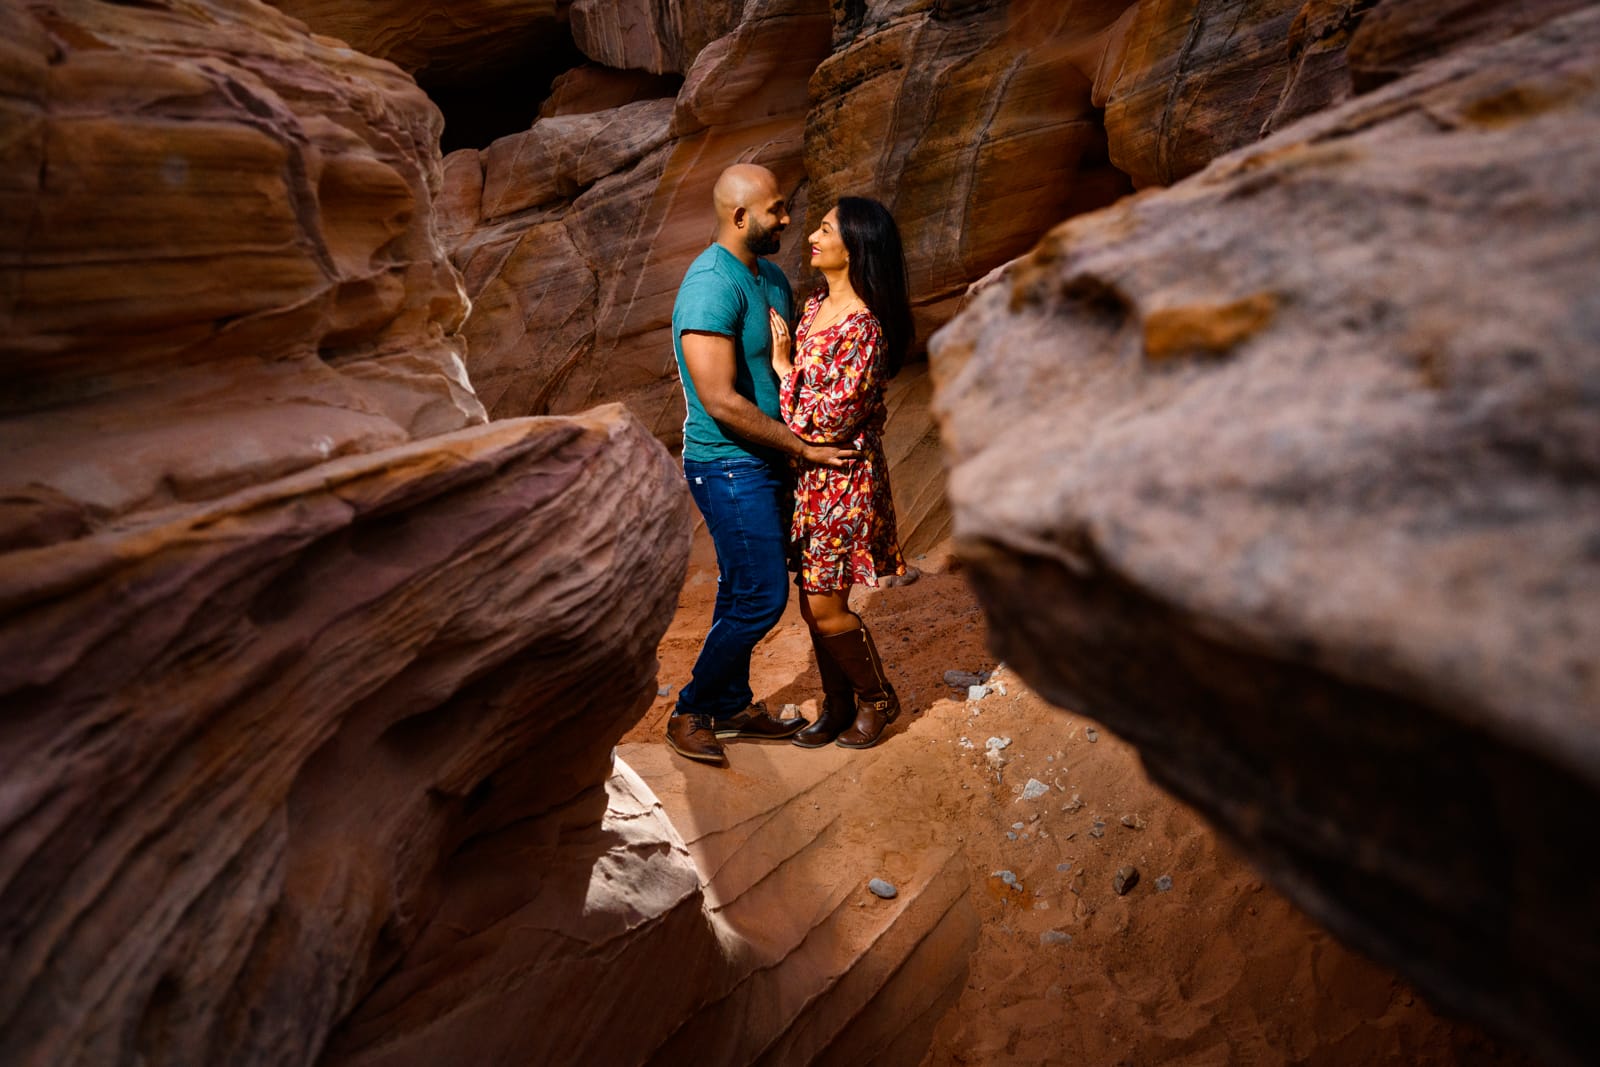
(735, 456)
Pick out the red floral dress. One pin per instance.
(843, 530)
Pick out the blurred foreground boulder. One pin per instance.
(1291, 474)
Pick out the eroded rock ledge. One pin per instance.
(1291, 474)
(311, 674)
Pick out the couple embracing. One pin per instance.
(782, 448)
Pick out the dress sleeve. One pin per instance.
(833, 394)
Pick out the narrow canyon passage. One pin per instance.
(1199, 962)
(343, 532)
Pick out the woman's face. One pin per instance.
(827, 247)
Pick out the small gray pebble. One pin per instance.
(664, 691)
(1098, 829)
(1055, 937)
(995, 744)
(1063, 867)
(1132, 822)
(977, 692)
(1008, 877)
(883, 889)
(1034, 789)
(1163, 883)
(1124, 880)
(1091, 735)
(1011, 835)
(1017, 825)
(963, 679)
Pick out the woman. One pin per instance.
(852, 337)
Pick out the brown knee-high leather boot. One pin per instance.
(876, 703)
(838, 701)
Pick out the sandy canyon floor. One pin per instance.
(1199, 963)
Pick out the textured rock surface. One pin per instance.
(648, 35)
(1289, 474)
(287, 633)
(437, 38)
(916, 463)
(585, 224)
(1400, 34)
(1193, 80)
(564, 155)
(216, 235)
(254, 744)
(555, 932)
(821, 971)
(973, 124)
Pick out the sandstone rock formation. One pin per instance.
(253, 743)
(974, 123)
(744, 941)
(573, 235)
(825, 972)
(1289, 474)
(438, 39)
(288, 634)
(1184, 82)
(223, 238)
(311, 674)
(651, 36)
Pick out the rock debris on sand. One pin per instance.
(1055, 937)
(1034, 789)
(1124, 880)
(883, 889)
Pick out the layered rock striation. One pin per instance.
(312, 674)
(222, 235)
(290, 635)
(1289, 474)
(439, 40)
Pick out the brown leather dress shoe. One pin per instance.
(695, 736)
(758, 723)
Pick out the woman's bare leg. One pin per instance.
(828, 613)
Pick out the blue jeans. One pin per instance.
(747, 504)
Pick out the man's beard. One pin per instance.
(762, 242)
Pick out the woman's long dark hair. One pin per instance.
(878, 273)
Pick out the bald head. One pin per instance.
(751, 211)
(743, 185)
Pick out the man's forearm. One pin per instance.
(739, 416)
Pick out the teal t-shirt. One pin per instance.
(719, 295)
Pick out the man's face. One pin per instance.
(764, 223)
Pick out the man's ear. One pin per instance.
(740, 214)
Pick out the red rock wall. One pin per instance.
(437, 38)
(1287, 474)
(312, 675)
(285, 625)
